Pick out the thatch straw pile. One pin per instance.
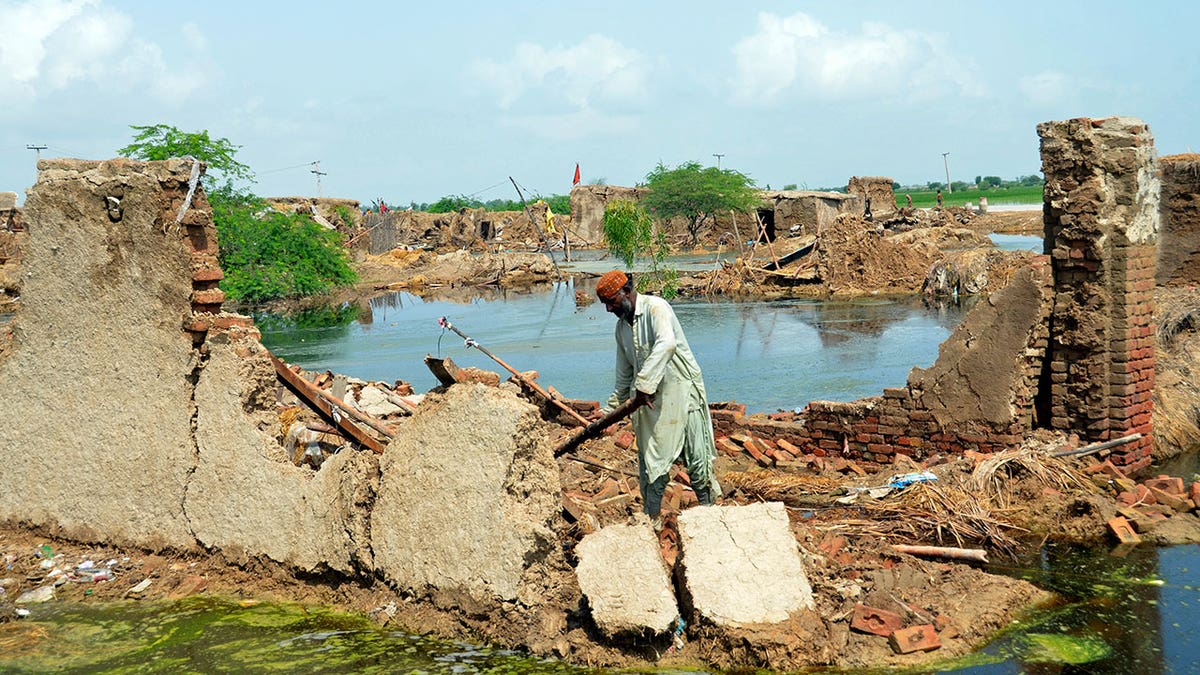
(956, 510)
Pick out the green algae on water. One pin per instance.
(1064, 649)
(205, 635)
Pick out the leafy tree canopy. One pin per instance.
(695, 192)
(163, 141)
(265, 254)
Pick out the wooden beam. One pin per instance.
(325, 404)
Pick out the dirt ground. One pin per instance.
(846, 550)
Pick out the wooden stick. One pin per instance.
(593, 430)
(326, 403)
(1096, 447)
(975, 554)
(524, 380)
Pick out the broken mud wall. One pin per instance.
(809, 212)
(587, 208)
(328, 208)
(1101, 229)
(468, 229)
(1179, 240)
(96, 422)
(468, 535)
(979, 395)
(876, 189)
(137, 412)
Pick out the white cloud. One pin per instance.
(798, 54)
(1047, 88)
(597, 70)
(52, 45)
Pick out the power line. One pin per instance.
(286, 168)
(36, 148)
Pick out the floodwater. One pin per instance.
(1017, 242)
(767, 355)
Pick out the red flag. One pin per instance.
(576, 181)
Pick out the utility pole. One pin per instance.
(317, 170)
(36, 148)
(945, 155)
(718, 156)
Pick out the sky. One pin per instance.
(410, 102)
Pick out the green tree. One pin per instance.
(162, 141)
(630, 234)
(697, 193)
(265, 254)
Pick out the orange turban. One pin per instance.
(610, 283)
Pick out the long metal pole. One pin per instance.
(525, 380)
(946, 161)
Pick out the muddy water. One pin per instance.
(768, 355)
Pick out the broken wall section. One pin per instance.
(1179, 240)
(97, 413)
(979, 395)
(875, 190)
(12, 242)
(1101, 228)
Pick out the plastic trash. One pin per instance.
(36, 595)
(911, 478)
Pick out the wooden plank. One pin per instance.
(325, 404)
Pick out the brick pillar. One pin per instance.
(1179, 242)
(1101, 229)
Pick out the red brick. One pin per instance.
(214, 296)
(207, 274)
(227, 321)
(922, 638)
(875, 621)
(1176, 502)
(789, 448)
(624, 439)
(1123, 530)
(190, 585)
(1169, 484)
(728, 447)
(756, 451)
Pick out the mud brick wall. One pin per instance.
(1179, 240)
(876, 188)
(1101, 228)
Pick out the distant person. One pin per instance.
(867, 212)
(939, 199)
(908, 198)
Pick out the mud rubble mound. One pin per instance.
(421, 271)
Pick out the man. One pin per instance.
(656, 367)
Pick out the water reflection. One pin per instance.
(768, 355)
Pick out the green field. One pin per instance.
(1025, 194)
